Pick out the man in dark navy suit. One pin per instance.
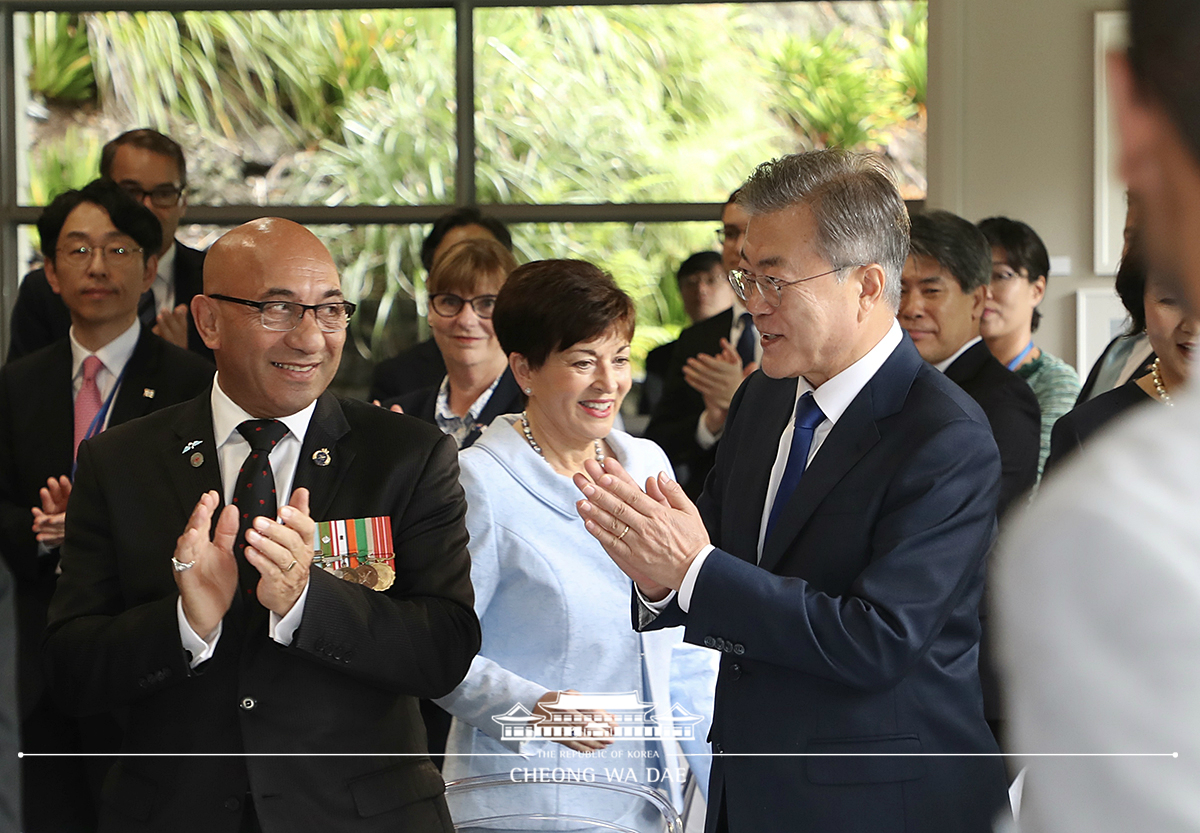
(151, 168)
(943, 290)
(836, 556)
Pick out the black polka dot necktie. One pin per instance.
(254, 492)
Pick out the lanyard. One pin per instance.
(1015, 363)
(101, 415)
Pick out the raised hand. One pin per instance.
(49, 522)
(282, 553)
(717, 379)
(207, 586)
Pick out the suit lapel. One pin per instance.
(56, 419)
(322, 442)
(851, 438)
(191, 462)
(968, 365)
(136, 395)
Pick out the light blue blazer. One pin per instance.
(555, 615)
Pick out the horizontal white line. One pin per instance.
(585, 755)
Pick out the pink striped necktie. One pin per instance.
(87, 402)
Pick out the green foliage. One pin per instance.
(60, 62)
(833, 92)
(59, 164)
(908, 50)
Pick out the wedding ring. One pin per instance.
(290, 566)
(622, 535)
(180, 566)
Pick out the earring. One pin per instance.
(528, 391)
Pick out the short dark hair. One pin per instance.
(468, 262)
(146, 139)
(859, 213)
(1131, 285)
(467, 216)
(1164, 54)
(127, 214)
(549, 305)
(737, 192)
(698, 263)
(956, 244)
(1023, 249)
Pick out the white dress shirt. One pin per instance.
(232, 449)
(113, 356)
(164, 282)
(833, 398)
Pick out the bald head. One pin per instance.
(269, 372)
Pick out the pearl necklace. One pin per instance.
(533, 443)
(1159, 387)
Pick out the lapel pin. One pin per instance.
(191, 445)
(197, 460)
(148, 393)
(321, 457)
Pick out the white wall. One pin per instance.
(1011, 129)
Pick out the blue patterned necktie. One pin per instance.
(808, 417)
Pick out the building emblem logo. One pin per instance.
(570, 716)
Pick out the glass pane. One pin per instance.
(679, 103)
(291, 107)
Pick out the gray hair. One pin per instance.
(860, 216)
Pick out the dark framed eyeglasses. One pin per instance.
(448, 305)
(770, 289)
(114, 254)
(283, 316)
(728, 233)
(164, 196)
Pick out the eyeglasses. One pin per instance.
(114, 254)
(449, 305)
(164, 196)
(1004, 273)
(729, 233)
(742, 282)
(284, 316)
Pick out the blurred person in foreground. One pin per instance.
(266, 573)
(836, 557)
(1099, 582)
(1156, 310)
(553, 607)
(422, 365)
(1020, 266)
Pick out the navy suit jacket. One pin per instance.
(859, 630)
(673, 423)
(37, 416)
(349, 680)
(40, 318)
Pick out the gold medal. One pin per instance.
(367, 576)
(386, 575)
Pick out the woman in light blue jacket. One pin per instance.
(562, 678)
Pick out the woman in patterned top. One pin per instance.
(1020, 265)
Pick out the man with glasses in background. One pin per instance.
(99, 247)
(267, 573)
(151, 168)
(707, 364)
(836, 556)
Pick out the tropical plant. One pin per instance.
(59, 58)
(908, 51)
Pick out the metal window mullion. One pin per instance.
(9, 266)
(464, 95)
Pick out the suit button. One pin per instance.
(728, 648)
(232, 804)
(738, 649)
(720, 643)
(735, 671)
(709, 642)
(718, 748)
(248, 703)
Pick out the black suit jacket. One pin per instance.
(1088, 390)
(10, 743)
(858, 632)
(1075, 427)
(349, 680)
(673, 423)
(505, 399)
(37, 432)
(40, 318)
(658, 362)
(417, 367)
(1012, 410)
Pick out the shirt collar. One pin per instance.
(166, 263)
(945, 363)
(835, 396)
(228, 415)
(114, 355)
